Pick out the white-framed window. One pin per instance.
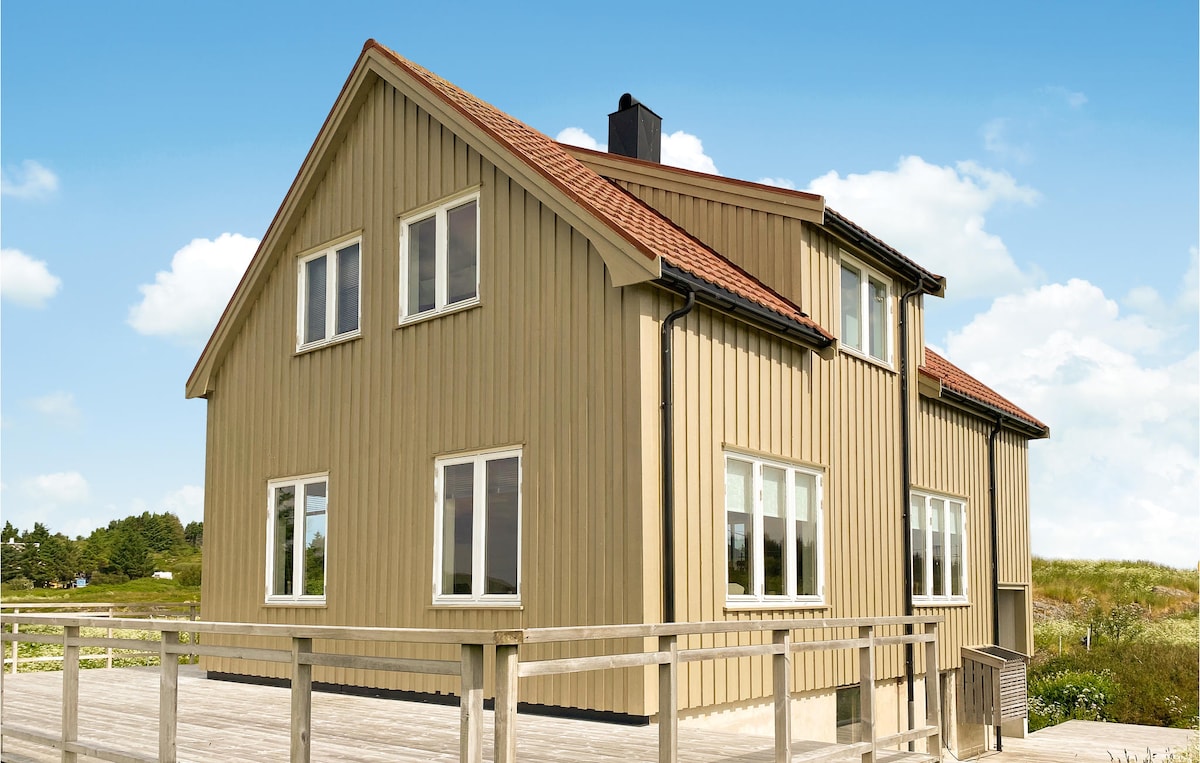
(477, 528)
(297, 523)
(328, 304)
(866, 303)
(439, 258)
(774, 534)
(939, 548)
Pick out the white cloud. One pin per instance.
(1072, 98)
(25, 280)
(58, 488)
(937, 216)
(997, 139)
(681, 149)
(576, 136)
(777, 182)
(30, 181)
(56, 405)
(187, 503)
(1119, 476)
(185, 302)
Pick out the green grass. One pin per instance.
(121, 658)
(1109, 583)
(133, 591)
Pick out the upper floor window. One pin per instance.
(773, 532)
(329, 295)
(297, 512)
(439, 258)
(477, 521)
(939, 543)
(866, 299)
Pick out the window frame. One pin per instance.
(478, 596)
(757, 598)
(866, 274)
(333, 252)
(299, 533)
(438, 212)
(928, 598)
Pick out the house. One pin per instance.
(436, 399)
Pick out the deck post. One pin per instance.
(668, 701)
(866, 689)
(933, 692)
(781, 676)
(70, 692)
(109, 652)
(470, 741)
(505, 730)
(16, 644)
(301, 702)
(168, 698)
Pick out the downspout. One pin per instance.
(906, 481)
(668, 458)
(995, 546)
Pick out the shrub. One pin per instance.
(1070, 695)
(188, 574)
(108, 578)
(19, 583)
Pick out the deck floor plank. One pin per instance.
(248, 723)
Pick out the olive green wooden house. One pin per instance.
(436, 399)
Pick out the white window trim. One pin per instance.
(331, 294)
(759, 600)
(478, 530)
(929, 599)
(864, 311)
(441, 258)
(299, 534)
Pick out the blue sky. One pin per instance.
(1042, 155)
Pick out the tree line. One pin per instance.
(124, 550)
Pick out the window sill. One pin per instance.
(860, 355)
(349, 336)
(457, 307)
(313, 604)
(941, 604)
(773, 606)
(514, 605)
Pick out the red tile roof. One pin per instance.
(952, 377)
(644, 228)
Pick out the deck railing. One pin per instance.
(173, 610)
(509, 669)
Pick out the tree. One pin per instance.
(194, 534)
(130, 555)
(9, 533)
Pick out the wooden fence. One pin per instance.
(469, 668)
(172, 610)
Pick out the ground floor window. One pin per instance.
(477, 548)
(849, 715)
(773, 531)
(297, 516)
(939, 548)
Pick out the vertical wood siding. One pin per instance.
(547, 362)
(952, 458)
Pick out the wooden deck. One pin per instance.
(1091, 742)
(223, 721)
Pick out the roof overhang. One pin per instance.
(934, 389)
(928, 282)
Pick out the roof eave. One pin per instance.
(1032, 430)
(725, 301)
(929, 283)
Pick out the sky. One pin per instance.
(1042, 156)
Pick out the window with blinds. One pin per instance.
(329, 305)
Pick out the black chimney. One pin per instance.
(635, 131)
